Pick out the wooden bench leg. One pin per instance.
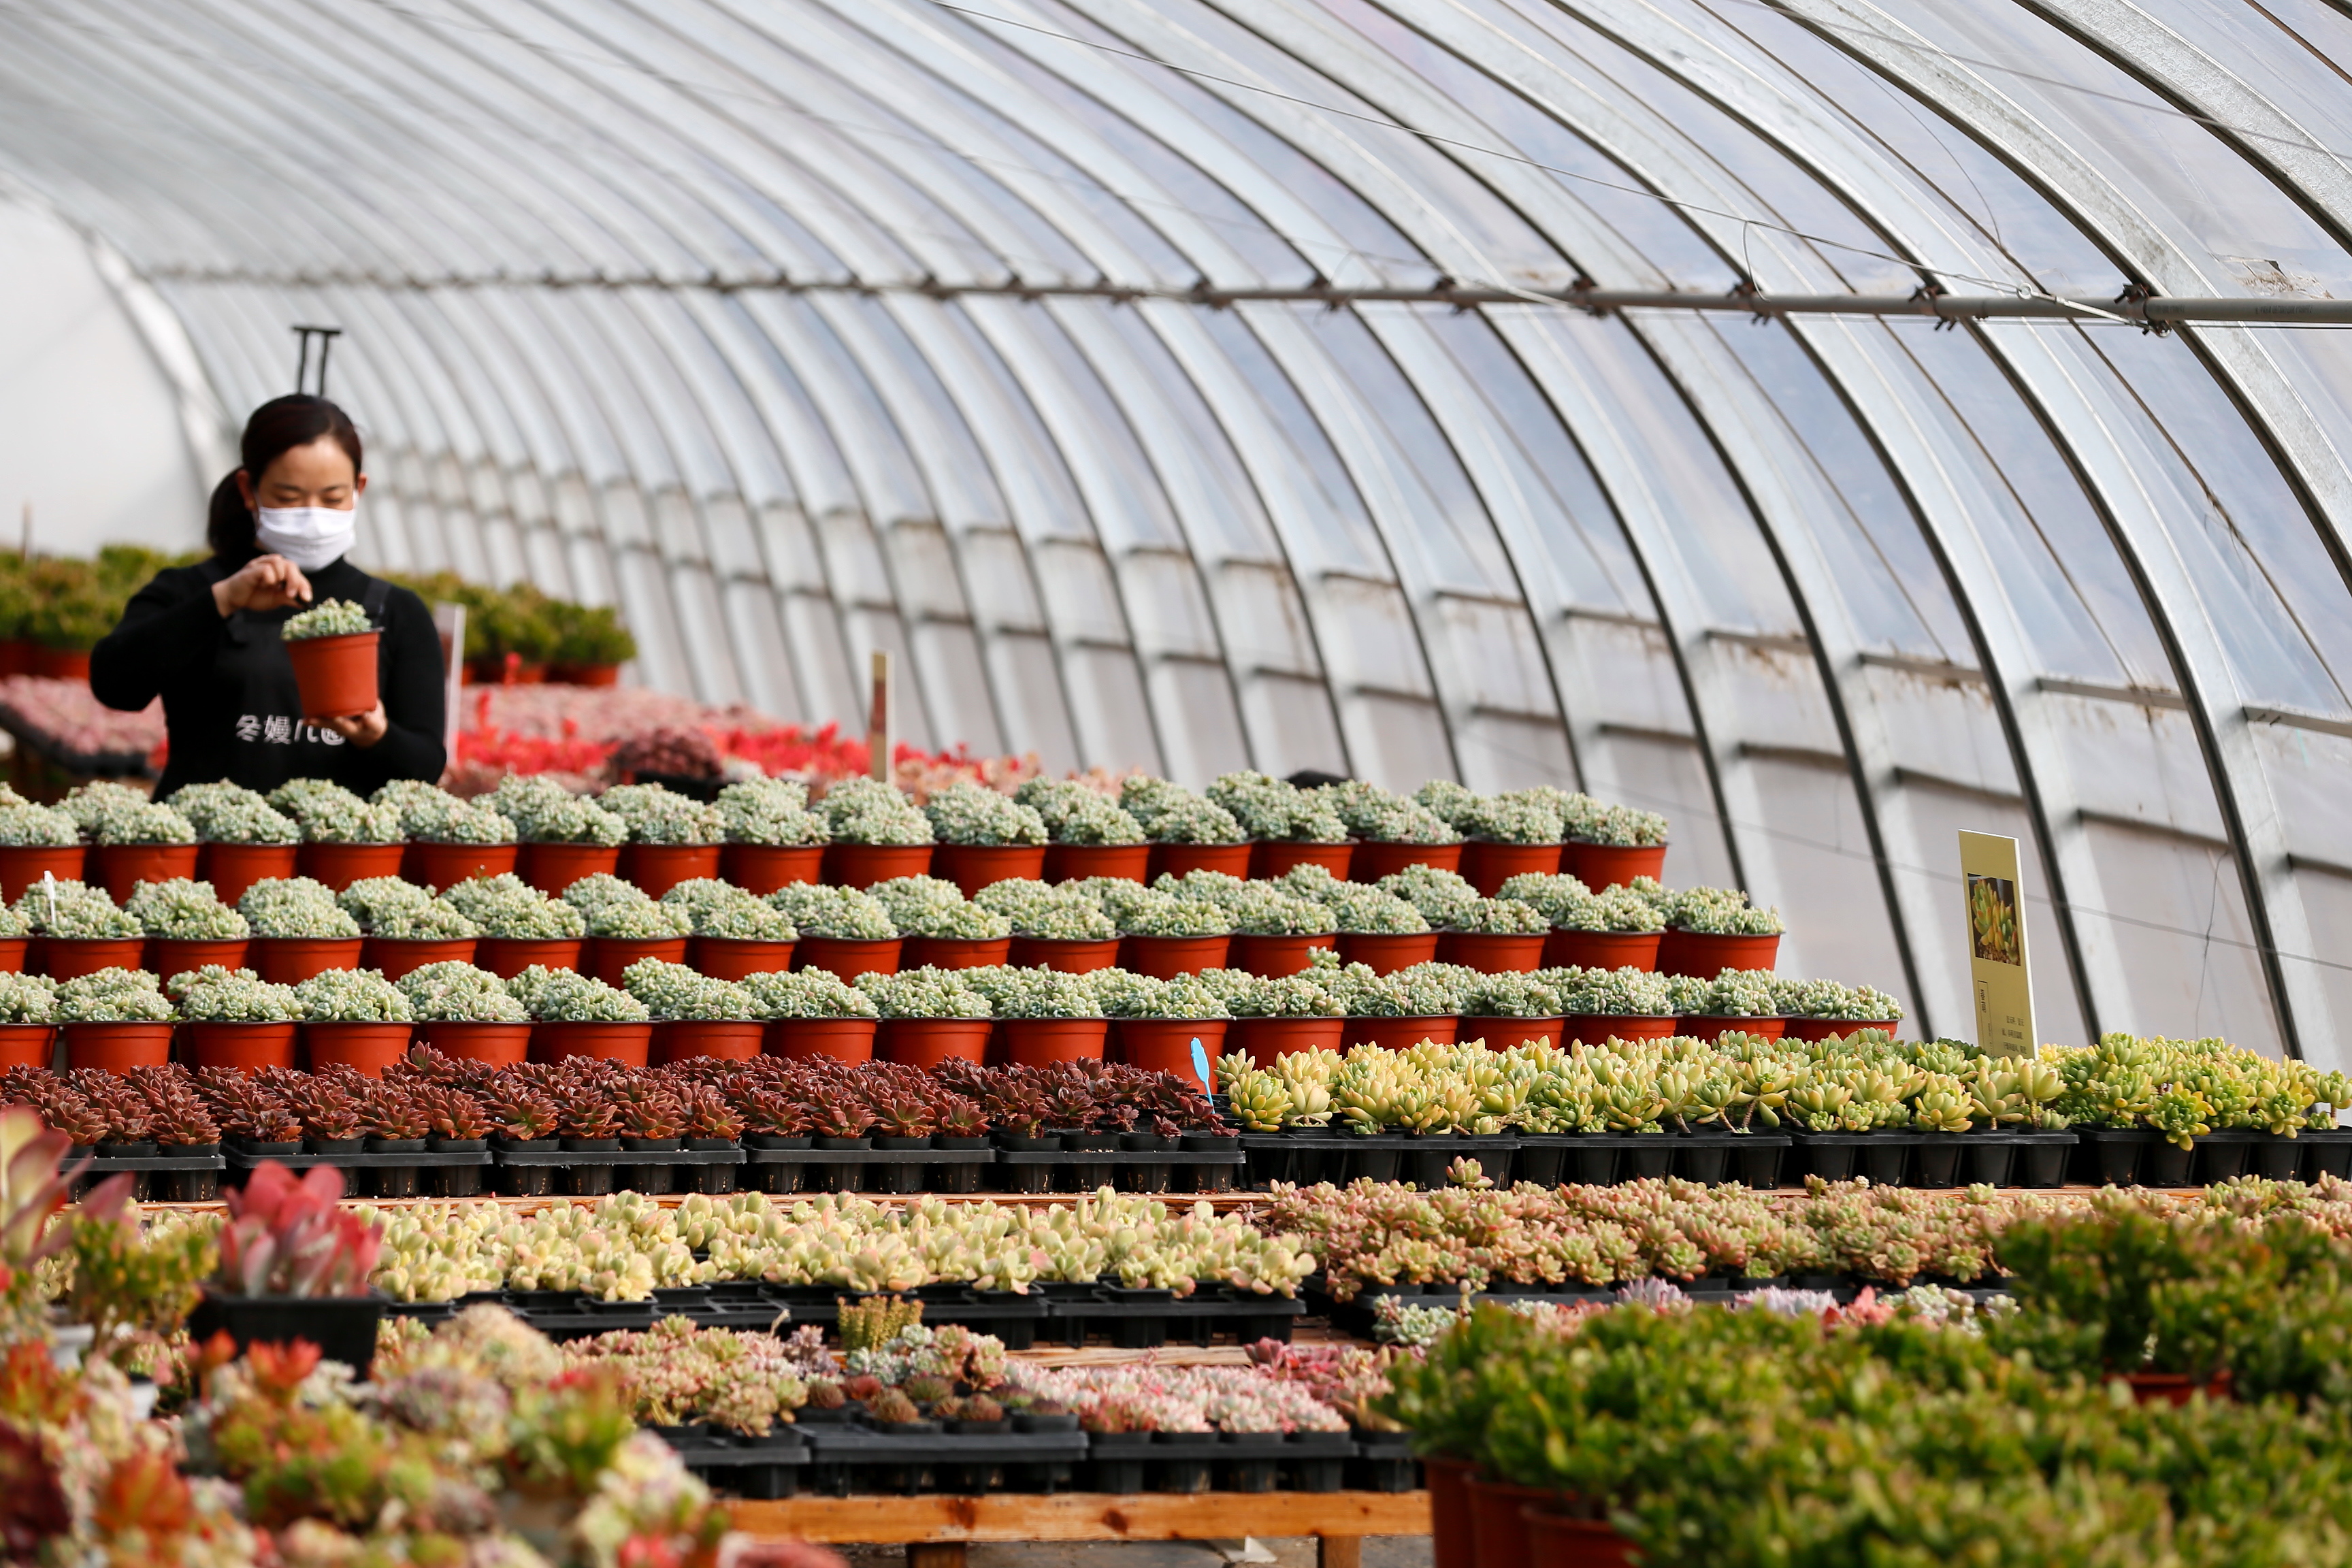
(935, 1554)
(1339, 1552)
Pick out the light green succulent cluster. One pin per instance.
(510, 909)
(935, 907)
(353, 996)
(622, 910)
(296, 906)
(1306, 995)
(1262, 909)
(1515, 816)
(86, 803)
(968, 813)
(1444, 897)
(330, 814)
(867, 811)
(2185, 1089)
(1510, 995)
(1126, 995)
(1382, 817)
(807, 994)
(27, 998)
(181, 909)
(1424, 990)
(390, 907)
(148, 822)
(926, 993)
(1589, 821)
(74, 910)
(660, 816)
(1016, 992)
(723, 909)
(673, 991)
(1053, 914)
(1829, 999)
(327, 619)
(1569, 905)
(567, 996)
(23, 824)
(224, 813)
(771, 812)
(216, 995)
(844, 914)
(1171, 813)
(544, 812)
(1734, 993)
(1146, 912)
(1626, 992)
(112, 997)
(1076, 813)
(433, 816)
(458, 992)
(1708, 912)
(1269, 807)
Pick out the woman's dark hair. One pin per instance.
(276, 426)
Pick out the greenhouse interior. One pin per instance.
(1455, 783)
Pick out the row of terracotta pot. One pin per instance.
(1476, 1521)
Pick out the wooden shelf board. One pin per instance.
(1085, 1516)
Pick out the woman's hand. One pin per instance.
(362, 729)
(264, 583)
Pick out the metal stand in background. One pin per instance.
(326, 336)
(450, 620)
(878, 720)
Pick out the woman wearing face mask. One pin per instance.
(205, 637)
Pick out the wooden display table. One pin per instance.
(935, 1529)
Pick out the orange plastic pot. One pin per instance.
(863, 865)
(728, 1039)
(336, 675)
(508, 956)
(341, 865)
(292, 960)
(1176, 859)
(168, 957)
(495, 1045)
(656, 868)
(820, 1039)
(13, 953)
(1556, 1540)
(973, 867)
(608, 957)
(120, 868)
(1601, 865)
(61, 663)
(396, 956)
(1385, 953)
(1041, 1042)
(552, 868)
(442, 866)
(1449, 1508)
(1263, 1039)
(1713, 1028)
(1695, 953)
(1068, 957)
(1273, 955)
(1131, 862)
(1273, 856)
(629, 1044)
(1374, 860)
(248, 1048)
(953, 952)
(1401, 1034)
(927, 1042)
(117, 1047)
(231, 869)
(1495, 953)
(1593, 1028)
(69, 958)
(22, 865)
(1831, 1028)
(1166, 957)
(1165, 1045)
(1502, 1033)
(1602, 950)
(367, 1049)
(19, 656)
(734, 957)
(584, 674)
(1498, 1536)
(846, 958)
(764, 867)
(1489, 865)
(27, 1044)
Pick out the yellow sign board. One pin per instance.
(1996, 914)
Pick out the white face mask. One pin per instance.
(309, 536)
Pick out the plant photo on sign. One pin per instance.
(1993, 930)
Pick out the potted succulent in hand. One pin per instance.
(1390, 831)
(1059, 928)
(941, 928)
(1288, 825)
(294, 1266)
(981, 837)
(1087, 833)
(353, 1018)
(1613, 1004)
(812, 1014)
(877, 834)
(563, 837)
(403, 926)
(772, 837)
(449, 840)
(28, 1028)
(578, 1015)
(36, 841)
(1710, 930)
(734, 933)
(298, 929)
(79, 931)
(1609, 846)
(467, 1012)
(1505, 836)
(241, 838)
(521, 927)
(1189, 832)
(333, 647)
(1161, 935)
(232, 1018)
(344, 838)
(187, 927)
(1158, 1022)
(624, 926)
(136, 841)
(842, 930)
(114, 1020)
(1496, 935)
(694, 1014)
(929, 1017)
(1043, 1016)
(672, 838)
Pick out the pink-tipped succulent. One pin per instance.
(33, 1189)
(288, 1237)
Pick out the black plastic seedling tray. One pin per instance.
(760, 1468)
(852, 1456)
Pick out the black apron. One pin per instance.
(272, 743)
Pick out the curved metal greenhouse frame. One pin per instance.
(1829, 423)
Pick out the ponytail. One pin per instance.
(228, 522)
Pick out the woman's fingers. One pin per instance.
(362, 730)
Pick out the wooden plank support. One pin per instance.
(1341, 1519)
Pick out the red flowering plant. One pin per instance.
(288, 1237)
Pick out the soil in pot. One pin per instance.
(292, 960)
(442, 867)
(973, 867)
(833, 1039)
(764, 867)
(552, 868)
(1602, 950)
(1374, 860)
(120, 868)
(367, 1049)
(341, 865)
(336, 677)
(248, 1048)
(734, 957)
(926, 1042)
(728, 1039)
(498, 1045)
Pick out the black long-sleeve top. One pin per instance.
(230, 704)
